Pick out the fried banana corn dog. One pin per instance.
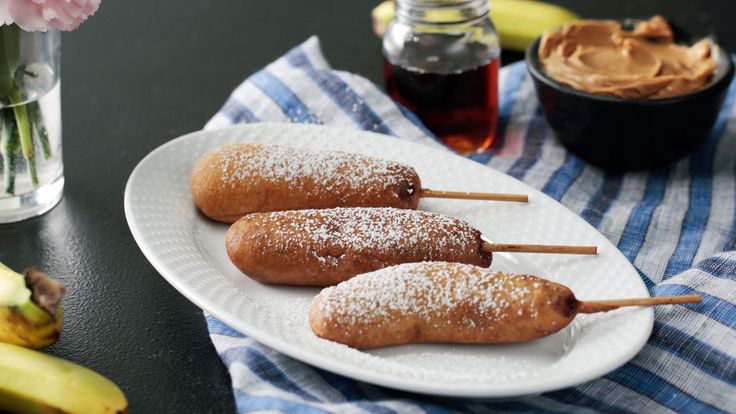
(325, 247)
(450, 302)
(238, 179)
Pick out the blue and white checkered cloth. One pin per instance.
(676, 224)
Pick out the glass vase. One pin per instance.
(31, 168)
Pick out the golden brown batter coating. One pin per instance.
(440, 302)
(238, 179)
(325, 247)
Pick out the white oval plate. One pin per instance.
(188, 250)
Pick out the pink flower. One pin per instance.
(4, 13)
(41, 15)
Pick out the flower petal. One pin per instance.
(4, 13)
(41, 15)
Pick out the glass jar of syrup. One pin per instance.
(441, 61)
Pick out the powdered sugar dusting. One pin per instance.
(324, 171)
(430, 290)
(337, 236)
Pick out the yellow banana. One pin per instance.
(30, 312)
(33, 382)
(518, 22)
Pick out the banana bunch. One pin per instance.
(518, 22)
(30, 312)
(33, 382)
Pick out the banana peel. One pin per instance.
(33, 382)
(30, 308)
(518, 22)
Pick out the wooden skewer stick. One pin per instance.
(594, 306)
(520, 198)
(539, 248)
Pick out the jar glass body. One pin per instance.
(31, 168)
(441, 61)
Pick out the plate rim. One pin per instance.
(492, 391)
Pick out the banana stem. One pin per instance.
(35, 314)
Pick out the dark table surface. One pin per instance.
(140, 73)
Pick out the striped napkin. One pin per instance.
(676, 224)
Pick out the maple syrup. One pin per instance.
(441, 61)
(459, 108)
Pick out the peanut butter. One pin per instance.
(600, 57)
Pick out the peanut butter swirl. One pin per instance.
(599, 56)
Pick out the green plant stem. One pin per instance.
(4, 140)
(9, 62)
(10, 58)
(34, 111)
(9, 143)
(26, 138)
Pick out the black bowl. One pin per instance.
(628, 134)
